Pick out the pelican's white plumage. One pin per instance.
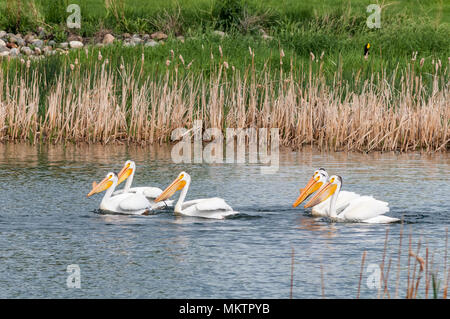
(151, 193)
(128, 203)
(343, 200)
(215, 207)
(317, 181)
(365, 209)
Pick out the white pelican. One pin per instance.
(127, 173)
(207, 207)
(128, 203)
(365, 209)
(317, 181)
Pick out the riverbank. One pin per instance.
(304, 72)
(103, 105)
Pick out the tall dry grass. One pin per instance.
(423, 279)
(103, 105)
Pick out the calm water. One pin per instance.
(47, 223)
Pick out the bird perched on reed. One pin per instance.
(366, 51)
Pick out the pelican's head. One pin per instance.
(318, 179)
(178, 184)
(333, 184)
(127, 169)
(106, 183)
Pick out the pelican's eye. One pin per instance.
(332, 180)
(182, 175)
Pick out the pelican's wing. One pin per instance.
(381, 219)
(364, 207)
(190, 203)
(134, 202)
(345, 198)
(152, 192)
(149, 192)
(343, 201)
(213, 204)
(215, 208)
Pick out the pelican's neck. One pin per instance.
(127, 187)
(109, 191)
(179, 205)
(333, 200)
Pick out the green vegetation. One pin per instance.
(319, 39)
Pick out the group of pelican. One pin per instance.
(341, 206)
(329, 201)
(144, 200)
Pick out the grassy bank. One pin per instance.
(102, 104)
(310, 78)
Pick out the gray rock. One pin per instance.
(151, 43)
(47, 49)
(26, 50)
(20, 41)
(4, 53)
(2, 34)
(146, 37)
(74, 37)
(4, 49)
(28, 38)
(180, 38)
(129, 44)
(266, 37)
(12, 38)
(37, 43)
(136, 40)
(159, 35)
(64, 45)
(2, 43)
(108, 39)
(76, 44)
(52, 43)
(37, 51)
(14, 52)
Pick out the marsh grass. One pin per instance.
(106, 103)
(419, 266)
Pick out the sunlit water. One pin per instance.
(47, 223)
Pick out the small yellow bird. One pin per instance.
(366, 50)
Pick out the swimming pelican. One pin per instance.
(127, 173)
(215, 207)
(128, 203)
(365, 209)
(317, 181)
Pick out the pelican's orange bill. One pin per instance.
(100, 187)
(321, 196)
(176, 185)
(310, 188)
(124, 173)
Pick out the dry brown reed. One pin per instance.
(105, 106)
(418, 267)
